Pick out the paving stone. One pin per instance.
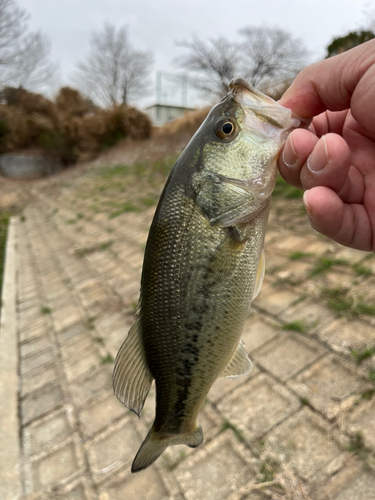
(96, 383)
(66, 317)
(307, 443)
(351, 483)
(293, 273)
(274, 301)
(50, 430)
(215, 470)
(36, 345)
(77, 344)
(327, 386)
(287, 354)
(38, 403)
(312, 313)
(37, 360)
(224, 385)
(49, 469)
(290, 242)
(82, 362)
(343, 335)
(258, 330)
(257, 406)
(151, 487)
(71, 331)
(274, 261)
(77, 490)
(113, 449)
(35, 329)
(100, 413)
(362, 420)
(39, 378)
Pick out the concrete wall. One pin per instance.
(19, 166)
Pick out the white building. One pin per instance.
(164, 113)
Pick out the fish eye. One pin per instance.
(224, 128)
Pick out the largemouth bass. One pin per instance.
(203, 265)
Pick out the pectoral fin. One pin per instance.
(131, 376)
(240, 363)
(260, 274)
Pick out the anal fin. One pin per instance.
(131, 375)
(240, 364)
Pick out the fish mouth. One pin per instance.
(264, 107)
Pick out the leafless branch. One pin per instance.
(114, 72)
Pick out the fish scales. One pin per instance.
(203, 263)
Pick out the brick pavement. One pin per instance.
(302, 424)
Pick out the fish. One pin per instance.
(203, 265)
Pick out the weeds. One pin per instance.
(362, 270)
(295, 326)
(325, 263)
(299, 255)
(361, 355)
(228, 425)
(104, 360)
(81, 252)
(45, 310)
(357, 447)
(338, 300)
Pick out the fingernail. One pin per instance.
(308, 208)
(319, 157)
(306, 203)
(289, 154)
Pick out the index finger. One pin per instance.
(331, 84)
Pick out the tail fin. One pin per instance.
(154, 445)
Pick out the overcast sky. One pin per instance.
(157, 24)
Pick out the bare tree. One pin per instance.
(114, 72)
(215, 63)
(267, 55)
(271, 55)
(24, 56)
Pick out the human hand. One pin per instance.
(334, 160)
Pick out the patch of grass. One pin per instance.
(357, 447)
(361, 354)
(269, 466)
(337, 299)
(325, 263)
(105, 245)
(104, 360)
(228, 425)
(362, 270)
(22, 218)
(295, 326)
(371, 374)
(71, 221)
(299, 255)
(148, 201)
(126, 207)
(304, 401)
(368, 395)
(285, 190)
(90, 323)
(99, 340)
(45, 310)
(81, 252)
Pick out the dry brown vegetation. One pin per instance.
(70, 127)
